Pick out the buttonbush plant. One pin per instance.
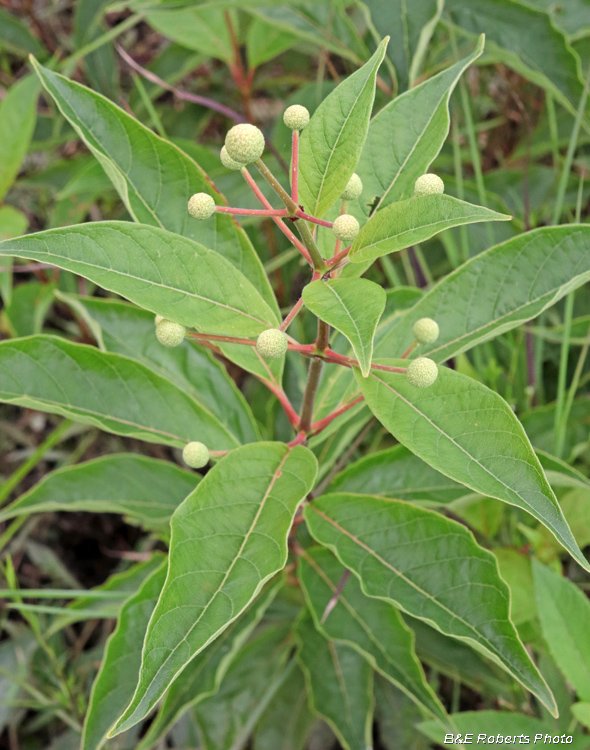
(285, 577)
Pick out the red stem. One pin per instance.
(389, 368)
(204, 337)
(338, 257)
(279, 222)
(252, 211)
(299, 440)
(296, 307)
(329, 355)
(307, 349)
(302, 215)
(409, 350)
(188, 97)
(295, 168)
(321, 424)
(292, 415)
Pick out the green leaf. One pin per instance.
(351, 306)
(226, 720)
(460, 662)
(413, 221)
(125, 329)
(12, 224)
(561, 474)
(228, 538)
(265, 41)
(287, 721)
(100, 66)
(495, 291)
(201, 29)
(389, 167)
(468, 432)
(582, 713)
(111, 392)
(515, 569)
(410, 23)
(144, 490)
(525, 40)
(15, 663)
(115, 681)
(572, 18)
(396, 718)
(121, 584)
(162, 272)
(429, 567)
(564, 612)
(371, 626)
(28, 307)
(204, 674)
(331, 144)
(315, 21)
(397, 473)
(18, 113)
(340, 685)
(16, 36)
(154, 177)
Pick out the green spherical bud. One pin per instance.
(296, 117)
(227, 161)
(426, 331)
(272, 344)
(169, 333)
(244, 143)
(201, 206)
(346, 228)
(158, 319)
(422, 372)
(354, 188)
(195, 455)
(429, 184)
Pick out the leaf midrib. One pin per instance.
(446, 95)
(478, 638)
(472, 458)
(274, 478)
(453, 223)
(369, 632)
(137, 278)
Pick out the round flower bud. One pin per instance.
(346, 227)
(227, 161)
(169, 333)
(195, 455)
(272, 344)
(426, 331)
(422, 372)
(429, 184)
(354, 188)
(296, 117)
(201, 206)
(158, 319)
(244, 143)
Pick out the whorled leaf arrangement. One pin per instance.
(180, 634)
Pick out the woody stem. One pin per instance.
(280, 224)
(313, 378)
(317, 260)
